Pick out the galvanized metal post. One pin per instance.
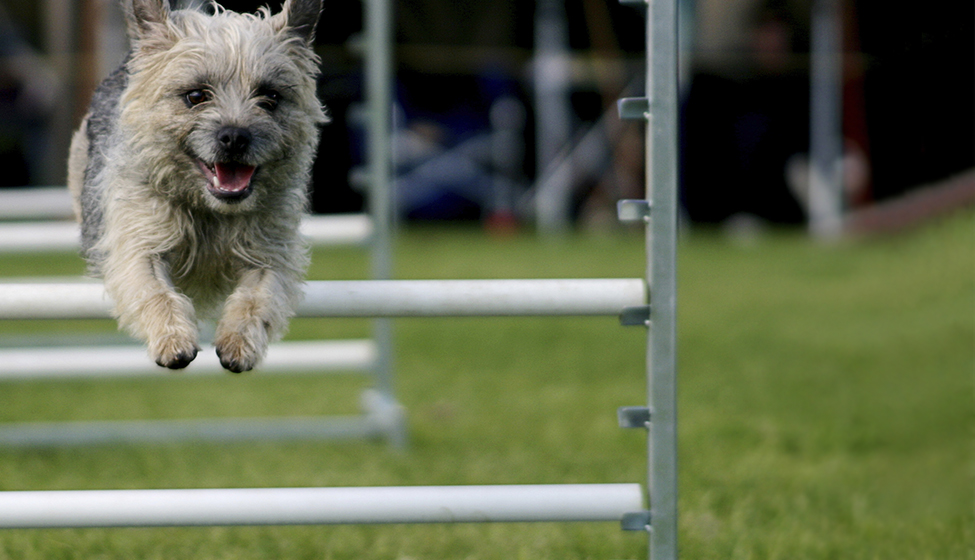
(661, 145)
(659, 211)
(379, 84)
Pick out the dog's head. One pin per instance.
(223, 103)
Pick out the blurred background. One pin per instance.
(501, 106)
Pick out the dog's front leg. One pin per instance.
(148, 305)
(255, 313)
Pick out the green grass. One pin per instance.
(826, 408)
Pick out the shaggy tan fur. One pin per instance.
(189, 176)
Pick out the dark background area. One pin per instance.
(909, 100)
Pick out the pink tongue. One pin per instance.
(233, 177)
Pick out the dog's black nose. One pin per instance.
(233, 140)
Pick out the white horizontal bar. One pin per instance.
(103, 432)
(51, 299)
(54, 203)
(35, 202)
(381, 416)
(370, 298)
(430, 298)
(319, 506)
(27, 237)
(337, 229)
(324, 230)
(125, 361)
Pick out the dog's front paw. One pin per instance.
(174, 353)
(239, 352)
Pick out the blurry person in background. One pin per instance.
(742, 125)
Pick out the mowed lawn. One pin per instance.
(826, 407)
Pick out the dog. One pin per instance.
(189, 176)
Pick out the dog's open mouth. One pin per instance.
(229, 181)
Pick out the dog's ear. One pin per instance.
(145, 18)
(300, 17)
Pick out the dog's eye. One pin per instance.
(196, 96)
(269, 99)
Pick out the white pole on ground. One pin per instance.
(318, 506)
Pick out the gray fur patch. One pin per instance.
(102, 125)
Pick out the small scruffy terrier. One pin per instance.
(189, 176)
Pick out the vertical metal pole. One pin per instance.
(550, 73)
(662, 74)
(379, 84)
(825, 126)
